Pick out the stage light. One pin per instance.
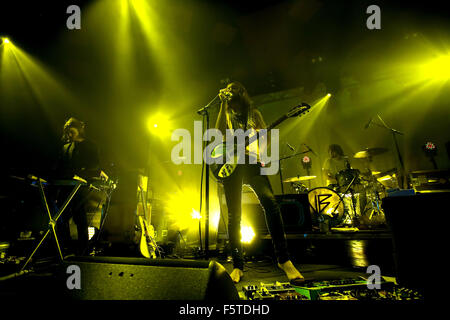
(195, 214)
(329, 95)
(6, 41)
(91, 232)
(160, 125)
(247, 234)
(430, 146)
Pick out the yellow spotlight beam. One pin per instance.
(22, 73)
(308, 121)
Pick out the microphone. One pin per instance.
(290, 147)
(228, 95)
(309, 149)
(368, 123)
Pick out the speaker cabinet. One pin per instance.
(120, 220)
(116, 278)
(416, 223)
(295, 213)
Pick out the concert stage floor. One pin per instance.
(319, 257)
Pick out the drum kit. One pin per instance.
(355, 199)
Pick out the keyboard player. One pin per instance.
(78, 157)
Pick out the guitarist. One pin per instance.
(237, 112)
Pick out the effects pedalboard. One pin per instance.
(272, 291)
(342, 289)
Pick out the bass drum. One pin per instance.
(326, 204)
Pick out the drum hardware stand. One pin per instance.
(352, 196)
(299, 187)
(401, 173)
(52, 222)
(375, 206)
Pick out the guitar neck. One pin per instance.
(270, 127)
(276, 122)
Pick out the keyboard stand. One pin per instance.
(52, 222)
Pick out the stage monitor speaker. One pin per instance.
(117, 278)
(416, 222)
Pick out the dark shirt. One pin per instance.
(78, 158)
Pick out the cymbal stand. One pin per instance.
(375, 205)
(280, 174)
(401, 172)
(52, 221)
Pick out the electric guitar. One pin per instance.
(230, 157)
(147, 243)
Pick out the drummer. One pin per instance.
(336, 162)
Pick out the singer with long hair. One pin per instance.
(237, 112)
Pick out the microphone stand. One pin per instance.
(279, 165)
(401, 172)
(204, 112)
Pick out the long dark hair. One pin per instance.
(73, 123)
(336, 149)
(244, 96)
(245, 101)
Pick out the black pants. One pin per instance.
(249, 174)
(76, 210)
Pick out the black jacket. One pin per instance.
(78, 158)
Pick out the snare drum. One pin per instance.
(326, 204)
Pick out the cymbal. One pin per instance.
(300, 178)
(369, 152)
(385, 173)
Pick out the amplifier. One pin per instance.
(295, 212)
(430, 181)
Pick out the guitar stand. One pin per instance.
(52, 221)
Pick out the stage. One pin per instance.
(148, 145)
